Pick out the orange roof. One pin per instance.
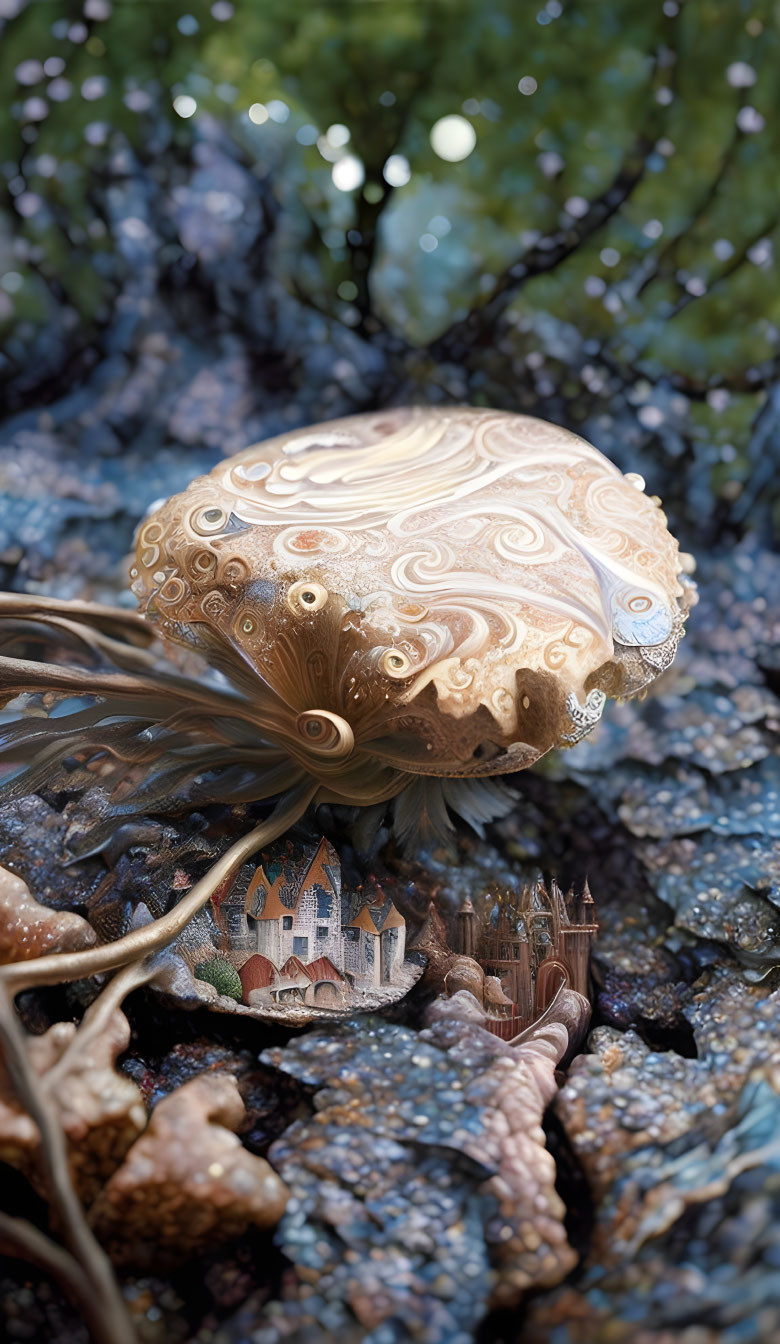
(364, 921)
(316, 869)
(393, 920)
(274, 906)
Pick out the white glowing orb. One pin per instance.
(453, 138)
(348, 173)
(396, 171)
(184, 105)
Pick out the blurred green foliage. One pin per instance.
(620, 197)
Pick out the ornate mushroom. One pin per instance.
(424, 592)
(400, 603)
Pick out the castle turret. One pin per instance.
(466, 930)
(576, 939)
(588, 907)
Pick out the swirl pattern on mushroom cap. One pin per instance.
(440, 591)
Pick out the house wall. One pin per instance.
(268, 939)
(369, 959)
(237, 933)
(278, 943)
(392, 947)
(306, 922)
(369, 969)
(351, 954)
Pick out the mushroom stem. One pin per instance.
(62, 966)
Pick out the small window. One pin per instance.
(301, 948)
(287, 921)
(322, 930)
(352, 935)
(323, 903)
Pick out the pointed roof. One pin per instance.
(273, 906)
(558, 901)
(317, 870)
(322, 968)
(364, 921)
(293, 969)
(540, 901)
(393, 920)
(431, 936)
(467, 908)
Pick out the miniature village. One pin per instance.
(528, 948)
(286, 940)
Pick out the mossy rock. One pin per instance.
(222, 975)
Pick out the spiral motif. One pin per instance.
(408, 570)
(396, 663)
(202, 565)
(172, 591)
(306, 597)
(325, 734)
(207, 522)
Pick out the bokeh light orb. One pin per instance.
(453, 138)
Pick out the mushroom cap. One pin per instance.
(439, 591)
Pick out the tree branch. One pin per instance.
(102, 1304)
(545, 256)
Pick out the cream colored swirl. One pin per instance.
(415, 574)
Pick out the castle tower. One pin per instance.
(466, 930)
(560, 910)
(576, 939)
(392, 944)
(540, 923)
(366, 964)
(504, 950)
(523, 980)
(588, 907)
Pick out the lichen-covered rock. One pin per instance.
(100, 1110)
(29, 929)
(682, 1161)
(422, 1191)
(698, 1240)
(188, 1182)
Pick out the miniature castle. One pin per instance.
(294, 936)
(534, 945)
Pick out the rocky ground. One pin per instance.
(658, 1223)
